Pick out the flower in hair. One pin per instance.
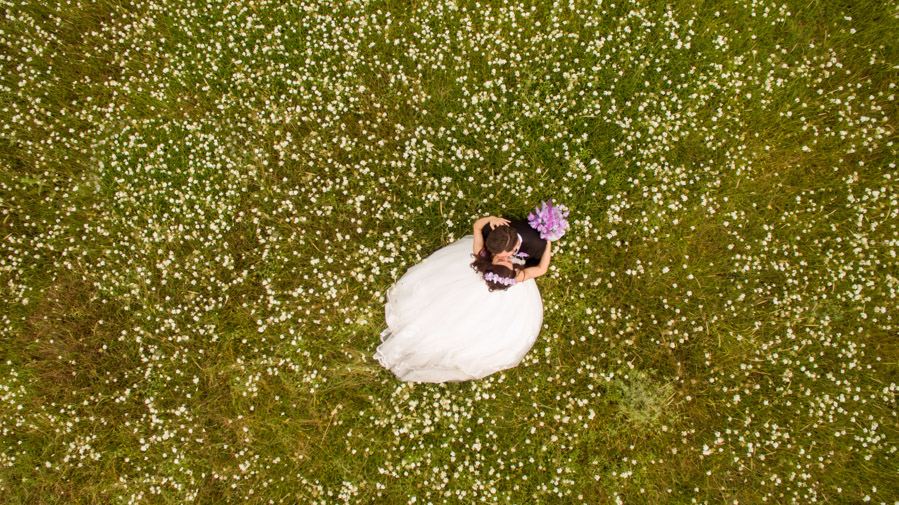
(499, 279)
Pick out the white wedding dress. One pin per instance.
(443, 324)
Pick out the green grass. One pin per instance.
(203, 205)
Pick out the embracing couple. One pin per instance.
(470, 309)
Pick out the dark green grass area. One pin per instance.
(203, 205)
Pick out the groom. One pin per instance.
(532, 246)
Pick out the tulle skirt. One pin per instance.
(443, 324)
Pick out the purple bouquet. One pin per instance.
(549, 220)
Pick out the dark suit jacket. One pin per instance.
(531, 243)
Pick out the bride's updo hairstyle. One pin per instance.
(501, 239)
(499, 277)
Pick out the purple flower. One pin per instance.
(549, 220)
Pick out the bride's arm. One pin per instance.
(478, 236)
(537, 271)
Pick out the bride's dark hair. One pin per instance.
(501, 239)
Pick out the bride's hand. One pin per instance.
(496, 221)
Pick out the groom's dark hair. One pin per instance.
(501, 239)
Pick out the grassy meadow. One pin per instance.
(203, 204)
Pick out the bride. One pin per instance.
(453, 319)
